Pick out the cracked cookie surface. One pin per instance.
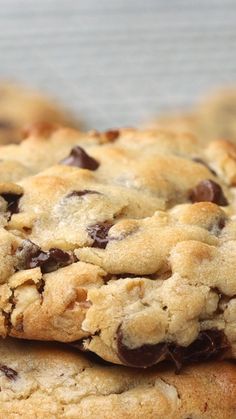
(127, 244)
(45, 380)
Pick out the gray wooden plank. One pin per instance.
(118, 62)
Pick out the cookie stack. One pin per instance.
(118, 249)
(213, 117)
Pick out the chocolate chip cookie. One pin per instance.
(20, 106)
(212, 118)
(44, 380)
(125, 247)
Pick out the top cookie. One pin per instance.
(127, 244)
(20, 106)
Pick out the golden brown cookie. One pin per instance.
(212, 118)
(21, 107)
(48, 381)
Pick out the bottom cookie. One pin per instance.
(39, 380)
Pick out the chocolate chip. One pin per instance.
(99, 233)
(12, 202)
(29, 256)
(208, 345)
(51, 260)
(208, 191)
(142, 357)
(79, 158)
(9, 372)
(200, 161)
(112, 134)
(82, 193)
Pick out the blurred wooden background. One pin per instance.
(117, 62)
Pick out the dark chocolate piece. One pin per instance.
(12, 201)
(142, 357)
(208, 191)
(30, 256)
(99, 233)
(210, 344)
(79, 158)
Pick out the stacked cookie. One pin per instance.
(20, 106)
(213, 117)
(119, 247)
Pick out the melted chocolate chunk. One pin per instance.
(29, 256)
(82, 193)
(9, 372)
(208, 191)
(112, 134)
(79, 158)
(12, 202)
(99, 234)
(209, 344)
(200, 161)
(142, 357)
(51, 260)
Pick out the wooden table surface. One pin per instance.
(119, 62)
